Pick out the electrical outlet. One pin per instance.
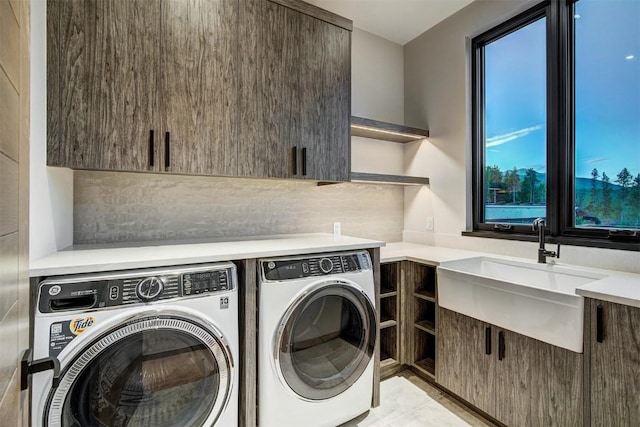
(336, 229)
(429, 223)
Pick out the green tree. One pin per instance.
(493, 183)
(624, 180)
(606, 196)
(512, 179)
(528, 189)
(593, 199)
(634, 204)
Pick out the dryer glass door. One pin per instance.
(326, 340)
(156, 371)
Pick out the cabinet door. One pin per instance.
(537, 383)
(295, 114)
(199, 86)
(105, 67)
(324, 99)
(280, 65)
(615, 364)
(463, 366)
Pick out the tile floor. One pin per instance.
(408, 401)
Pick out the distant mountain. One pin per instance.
(582, 184)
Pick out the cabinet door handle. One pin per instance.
(304, 162)
(487, 340)
(167, 150)
(500, 345)
(294, 158)
(151, 148)
(599, 323)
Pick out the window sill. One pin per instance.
(567, 241)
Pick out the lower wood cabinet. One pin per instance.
(517, 380)
(614, 371)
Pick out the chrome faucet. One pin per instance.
(538, 224)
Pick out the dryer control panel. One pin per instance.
(277, 269)
(95, 291)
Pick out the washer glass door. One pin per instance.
(326, 340)
(155, 371)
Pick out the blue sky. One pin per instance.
(607, 92)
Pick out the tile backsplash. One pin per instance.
(115, 207)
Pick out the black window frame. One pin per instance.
(560, 125)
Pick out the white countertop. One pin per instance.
(125, 256)
(618, 287)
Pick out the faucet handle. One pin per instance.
(537, 223)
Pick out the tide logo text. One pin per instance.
(79, 325)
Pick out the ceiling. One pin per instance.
(397, 20)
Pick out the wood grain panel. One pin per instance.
(8, 272)
(9, 195)
(109, 75)
(10, 412)
(248, 321)
(280, 78)
(313, 108)
(253, 156)
(9, 359)
(374, 253)
(200, 85)
(513, 389)
(615, 366)
(566, 380)
(338, 97)
(470, 373)
(10, 46)
(317, 12)
(55, 149)
(9, 118)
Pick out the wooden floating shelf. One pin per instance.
(383, 131)
(425, 295)
(388, 179)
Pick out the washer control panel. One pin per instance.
(289, 268)
(84, 292)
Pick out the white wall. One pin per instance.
(51, 189)
(437, 97)
(377, 92)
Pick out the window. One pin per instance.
(556, 124)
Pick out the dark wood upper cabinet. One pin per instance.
(103, 73)
(199, 91)
(205, 87)
(296, 95)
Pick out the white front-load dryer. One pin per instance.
(317, 335)
(151, 347)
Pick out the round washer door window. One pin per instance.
(326, 340)
(154, 371)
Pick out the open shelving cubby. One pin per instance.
(422, 278)
(389, 315)
(391, 132)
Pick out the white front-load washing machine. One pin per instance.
(149, 347)
(317, 335)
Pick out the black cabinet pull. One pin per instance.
(167, 150)
(151, 148)
(304, 162)
(487, 340)
(500, 345)
(294, 157)
(599, 323)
